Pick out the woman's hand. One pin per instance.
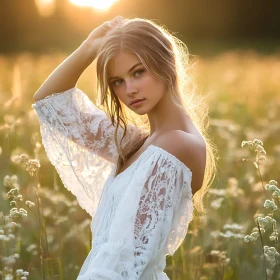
(98, 35)
(66, 75)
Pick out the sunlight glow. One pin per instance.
(45, 7)
(96, 4)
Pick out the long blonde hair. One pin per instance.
(167, 58)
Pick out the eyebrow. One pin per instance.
(111, 78)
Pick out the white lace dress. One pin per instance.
(139, 216)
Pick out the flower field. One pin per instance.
(44, 234)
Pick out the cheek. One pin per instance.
(155, 85)
(121, 95)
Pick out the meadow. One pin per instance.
(44, 234)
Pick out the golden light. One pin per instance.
(45, 7)
(96, 4)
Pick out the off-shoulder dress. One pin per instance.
(138, 217)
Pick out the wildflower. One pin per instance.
(244, 144)
(220, 254)
(18, 197)
(218, 192)
(266, 221)
(4, 237)
(270, 187)
(270, 205)
(273, 182)
(29, 203)
(260, 149)
(32, 166)
(214, 252)
(19, 271)
(18, 214)
(229, 234)
(9, 260)
(12, 225)
(13, 193)
(11, 181)
(13, 203)
(276, 194)
(21, 159)
(216, 204)
(270, 251)
(8, 277)
(11, 236)
(31, 247)
(234, 227)
(262, 230)
(274, 235)
(249, 238)
(257, 146)
(255, 234)
(257, 142)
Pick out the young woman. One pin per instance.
(135, 167)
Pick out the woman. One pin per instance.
(135, 168)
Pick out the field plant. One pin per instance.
(44, 234)
(266, 222)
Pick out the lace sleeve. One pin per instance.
(165, 210)
(79, 141)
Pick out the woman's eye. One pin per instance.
(116, 83)
(139, 71)
(136, 73)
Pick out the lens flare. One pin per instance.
(96, 4)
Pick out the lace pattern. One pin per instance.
(138, 217)
(79, 141)
(142, 222)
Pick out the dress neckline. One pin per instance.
(154, 147)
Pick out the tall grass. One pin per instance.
(45, 235)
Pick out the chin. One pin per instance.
(140, 112)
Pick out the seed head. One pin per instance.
(32, 166)
(270, 205)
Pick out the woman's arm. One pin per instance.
(66, 75)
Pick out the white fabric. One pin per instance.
(139, 216)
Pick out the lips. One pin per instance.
(136, 100)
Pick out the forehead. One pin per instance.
(121, 63)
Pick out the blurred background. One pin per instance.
(235, 47)
(205, 26)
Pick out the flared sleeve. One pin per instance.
(78, 139)
(150, 222)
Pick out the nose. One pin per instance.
(131, 87)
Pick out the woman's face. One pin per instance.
(130, 80)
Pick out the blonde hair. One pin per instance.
(167, 58)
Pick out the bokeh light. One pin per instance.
(96, 4)
(45, 7)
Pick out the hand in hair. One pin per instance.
(97, 36)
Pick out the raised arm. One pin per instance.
(66, 75)
(77, 136)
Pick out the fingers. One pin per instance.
(115, 21)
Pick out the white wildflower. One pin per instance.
(270, 205)
(216, 204)
(273, 182)
(29, 203)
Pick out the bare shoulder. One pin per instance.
(189, 149)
